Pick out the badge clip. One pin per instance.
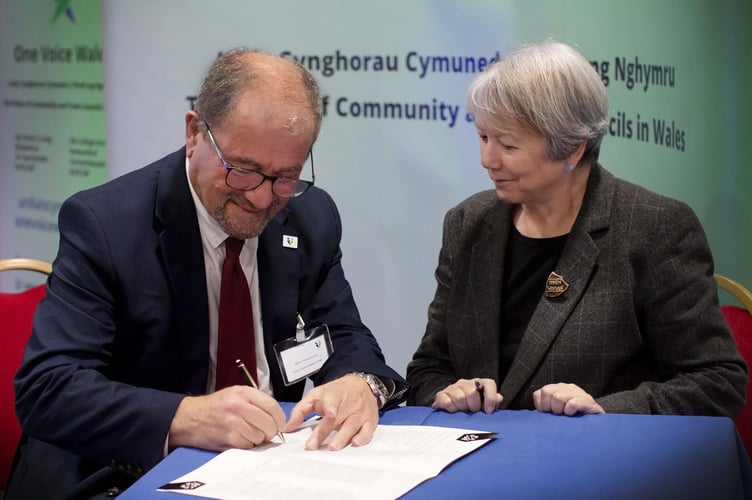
(300, 335)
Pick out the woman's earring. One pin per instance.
(568, 167)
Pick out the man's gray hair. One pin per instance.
(231, 75)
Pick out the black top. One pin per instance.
(527, 264)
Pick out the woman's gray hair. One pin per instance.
(552, 90)
(231, 75)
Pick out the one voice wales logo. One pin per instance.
(63, 6)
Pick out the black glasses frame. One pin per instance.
(300, 187)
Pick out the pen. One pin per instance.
(479, 388)
(249, 380)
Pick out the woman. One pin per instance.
(565, 289)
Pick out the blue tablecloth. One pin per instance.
(539, 455)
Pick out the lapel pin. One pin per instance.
(555, 285)
(289, 241)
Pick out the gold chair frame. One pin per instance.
(739, 291)
(19, 264)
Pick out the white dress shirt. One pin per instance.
(212, 241)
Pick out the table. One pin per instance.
(539, 455)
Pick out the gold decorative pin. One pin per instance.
(555, 285)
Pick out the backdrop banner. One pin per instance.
(397, 148)
(52, 139)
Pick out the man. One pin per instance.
(124, 360)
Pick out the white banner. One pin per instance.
(397, 150)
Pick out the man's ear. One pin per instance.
(192, 132)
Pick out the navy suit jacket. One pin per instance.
(123, 332)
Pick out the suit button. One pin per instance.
(113, 492)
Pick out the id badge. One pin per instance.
(303, 355)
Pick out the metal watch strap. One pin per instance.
(377, 387)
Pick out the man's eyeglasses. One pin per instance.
(246, 179)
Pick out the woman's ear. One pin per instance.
(576, 155)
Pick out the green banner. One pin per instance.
(52, 137)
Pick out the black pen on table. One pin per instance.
(249, 380)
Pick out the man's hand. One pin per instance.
(468, 395)
(346, 405)
(567, 399)
(234, 417)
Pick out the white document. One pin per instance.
(397, 459)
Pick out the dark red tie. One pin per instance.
(236, 339)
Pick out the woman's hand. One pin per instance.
(468, 395)
(566, 399)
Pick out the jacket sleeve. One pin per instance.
(66, 393)
(328, 298)
(676, 299)
(431, 368)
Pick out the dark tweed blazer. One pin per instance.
(639, 327)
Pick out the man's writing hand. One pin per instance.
(234, 417)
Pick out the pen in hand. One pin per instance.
(249, 380)
(479, 388)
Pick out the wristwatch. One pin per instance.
(377, 387)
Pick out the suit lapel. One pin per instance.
(278, 268)
(182, 257)
(484, 292)
(576, 266)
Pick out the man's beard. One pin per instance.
(245, 228)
